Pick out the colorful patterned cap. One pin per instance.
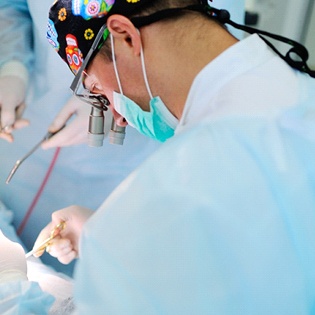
(74, 24)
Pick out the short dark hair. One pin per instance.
(159, 5)
(150, 8)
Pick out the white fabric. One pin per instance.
(220, 220)
(224, 87)
(12, 260)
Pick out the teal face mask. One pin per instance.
(159, 123)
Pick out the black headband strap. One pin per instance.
(141, 21)
(297, 49)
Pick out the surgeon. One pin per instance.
(220, 219)
(34, 91)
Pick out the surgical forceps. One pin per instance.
(20, 161)
(55, 232)
(18, 113)
(5, 128)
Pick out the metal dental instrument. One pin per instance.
(55, 232)
(20, 161)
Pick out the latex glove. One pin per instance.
(65, 247)
(12, 260)
(12, 97)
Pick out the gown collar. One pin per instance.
(235, 61)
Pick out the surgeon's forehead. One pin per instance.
(101, 71)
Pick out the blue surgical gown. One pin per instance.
(221, 219)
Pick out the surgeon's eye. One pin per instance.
(84, 81)
(90, 83)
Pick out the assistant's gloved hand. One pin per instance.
(65, 247)
(12, 260)
(13, 83)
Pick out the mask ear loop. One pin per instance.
(144, 69)
(142, 66)
(114, 62)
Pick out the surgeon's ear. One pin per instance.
(122, 28)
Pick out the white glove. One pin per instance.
(65, 247)
(13, 82)
(12, 260)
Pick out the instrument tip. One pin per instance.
(15, 167)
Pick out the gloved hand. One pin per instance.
(12, 260)
(65, 247)
(12, 97)
(76, 131)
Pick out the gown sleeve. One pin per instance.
(16, 49)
